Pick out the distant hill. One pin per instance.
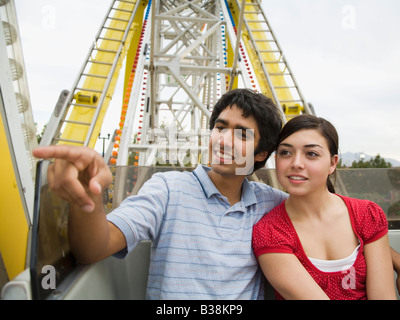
(349, 157)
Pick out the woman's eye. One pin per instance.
(312, 154)
(284, 153)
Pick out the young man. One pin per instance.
(200, 223)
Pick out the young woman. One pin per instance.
(317, 244)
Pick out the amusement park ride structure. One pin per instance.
(177, 58)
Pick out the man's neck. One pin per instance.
(228, 186)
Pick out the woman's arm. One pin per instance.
(289, 277)
(396, 266)
(380, 284)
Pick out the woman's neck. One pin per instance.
(312, 206)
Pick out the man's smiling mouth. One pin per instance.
(223, 155)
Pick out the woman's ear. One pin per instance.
(334, 162)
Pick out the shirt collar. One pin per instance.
(208, 186)
(209, 189)
(248, 195)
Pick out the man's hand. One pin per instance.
(77, 175)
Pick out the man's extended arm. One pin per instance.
(79, 175)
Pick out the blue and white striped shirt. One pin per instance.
(201, 245)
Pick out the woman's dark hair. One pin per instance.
(326, 129)
(264, 112)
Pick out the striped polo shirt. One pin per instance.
(201, 245)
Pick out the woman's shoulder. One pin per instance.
(274, 232)
(362, 208)
(276, 222)
(276, 216)
(369, 218)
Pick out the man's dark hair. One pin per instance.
(264, 111)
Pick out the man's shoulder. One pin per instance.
(174, 179)
(264, 190)
(173, 175)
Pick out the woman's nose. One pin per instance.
(298, 161)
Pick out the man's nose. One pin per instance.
(226, 136)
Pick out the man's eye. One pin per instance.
(241, 134)
(244, 134)
(219, 128)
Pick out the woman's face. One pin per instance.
(303, 162)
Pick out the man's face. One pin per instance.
(232, 143)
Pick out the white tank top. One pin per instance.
(335, 265)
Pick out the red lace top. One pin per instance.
(275, 233)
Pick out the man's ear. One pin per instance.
(261, 156)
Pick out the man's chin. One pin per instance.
(223, 169)
(231, 169)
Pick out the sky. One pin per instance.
(345, 56)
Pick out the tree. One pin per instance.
(340, 164)
(40, 135)
(377, 162)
